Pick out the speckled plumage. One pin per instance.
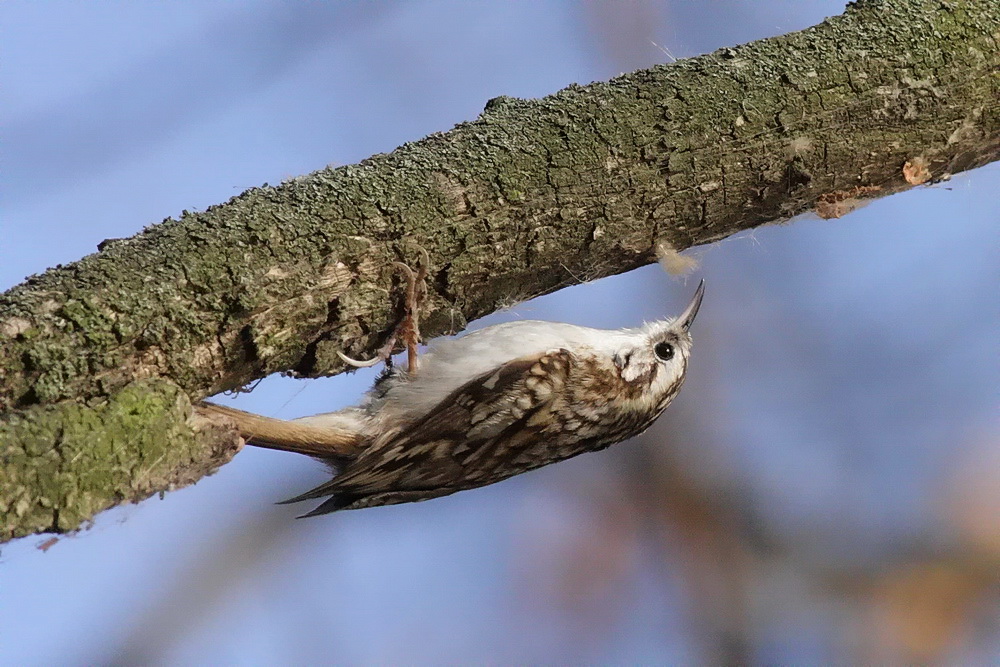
(495, 403)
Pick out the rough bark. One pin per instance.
(99, 359)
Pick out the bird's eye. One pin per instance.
(665, 351)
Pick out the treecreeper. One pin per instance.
(482, 407)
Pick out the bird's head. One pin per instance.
(656, 355)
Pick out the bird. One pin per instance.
(483, 407)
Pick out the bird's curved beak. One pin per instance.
(687, 317)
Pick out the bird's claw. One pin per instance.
(408, 329)
(356, 363)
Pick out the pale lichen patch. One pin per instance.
(14, 326)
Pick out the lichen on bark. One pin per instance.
(63, 463)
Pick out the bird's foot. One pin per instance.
(407, 331)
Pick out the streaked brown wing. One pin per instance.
(453, 444)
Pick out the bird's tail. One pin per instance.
(327, 441)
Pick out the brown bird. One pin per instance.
(483, 407)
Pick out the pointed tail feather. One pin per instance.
(323, 441)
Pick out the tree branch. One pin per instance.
(99, 359)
